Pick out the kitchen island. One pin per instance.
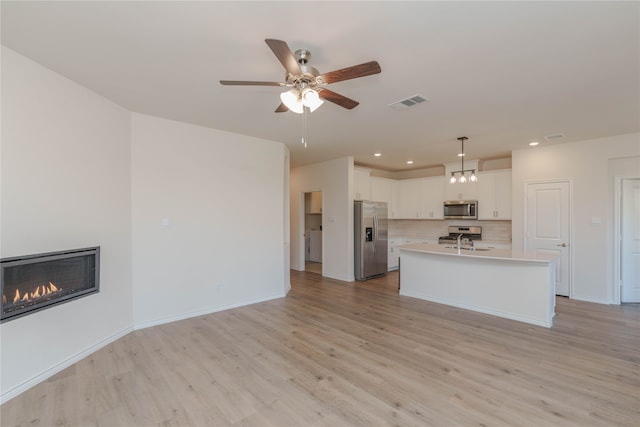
(500, 282)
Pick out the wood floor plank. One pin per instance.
(338, 354)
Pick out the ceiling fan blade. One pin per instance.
(284, 55)
(281, 108)
(336, 98)
(366, 69)
(245, 83)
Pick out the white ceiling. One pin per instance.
(501, 73)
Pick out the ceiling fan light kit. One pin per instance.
(295, 100)
(462, 178)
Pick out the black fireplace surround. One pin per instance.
(34, 282)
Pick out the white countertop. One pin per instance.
(501, 254)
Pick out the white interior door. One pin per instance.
(630, 240)
(548, 227)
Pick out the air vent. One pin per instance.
(408, 102)
(554, 136)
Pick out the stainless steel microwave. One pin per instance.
(461, 209)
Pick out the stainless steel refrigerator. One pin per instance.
(370, 239)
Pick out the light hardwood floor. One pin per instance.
(336, 354)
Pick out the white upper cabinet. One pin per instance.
(381, 189)
(394, 206)
(386, 190)
(422, 198)
(431, 198)
(313, 202)
(494, 195)
(461, 191)
(361, 184)
(410, 199)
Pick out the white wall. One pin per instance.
(223, 197)
(335, 179)
(77, 170)
(588, 164)
(65, 184)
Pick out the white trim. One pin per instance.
(203, 311)
(302, 220)
(590, 299)
(571, 222)
(42, 376)
(340, 278)
(617, 284)
(617, 238)
(302, 256)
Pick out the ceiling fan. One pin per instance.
(306, 83)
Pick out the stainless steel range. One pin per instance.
(469, 233)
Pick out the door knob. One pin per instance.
(564, 245)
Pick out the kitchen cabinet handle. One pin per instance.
(563, 245)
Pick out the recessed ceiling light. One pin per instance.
(377, 154)
(409, 162)
(534, 143)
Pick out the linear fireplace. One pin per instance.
(35, 282)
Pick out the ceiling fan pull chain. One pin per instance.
(304, 127)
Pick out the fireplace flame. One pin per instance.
(40, 291)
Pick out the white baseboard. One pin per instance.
(590, 299)
(342, 279)
(202, 312)
(15, 391)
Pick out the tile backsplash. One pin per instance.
(492, 231)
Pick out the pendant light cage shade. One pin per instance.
(462, 172)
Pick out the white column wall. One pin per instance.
(334, 178)
(65, 184)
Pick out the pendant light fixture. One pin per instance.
(462, 178)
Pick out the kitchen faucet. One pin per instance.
(458, 240)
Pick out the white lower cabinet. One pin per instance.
(315, 246)
(393, 260)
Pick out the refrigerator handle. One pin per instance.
(375, 231)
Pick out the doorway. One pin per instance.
(629, 222)
(313, 236)
(548, 226)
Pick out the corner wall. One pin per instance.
(65, 184)
(587, 163)
(77, 170)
